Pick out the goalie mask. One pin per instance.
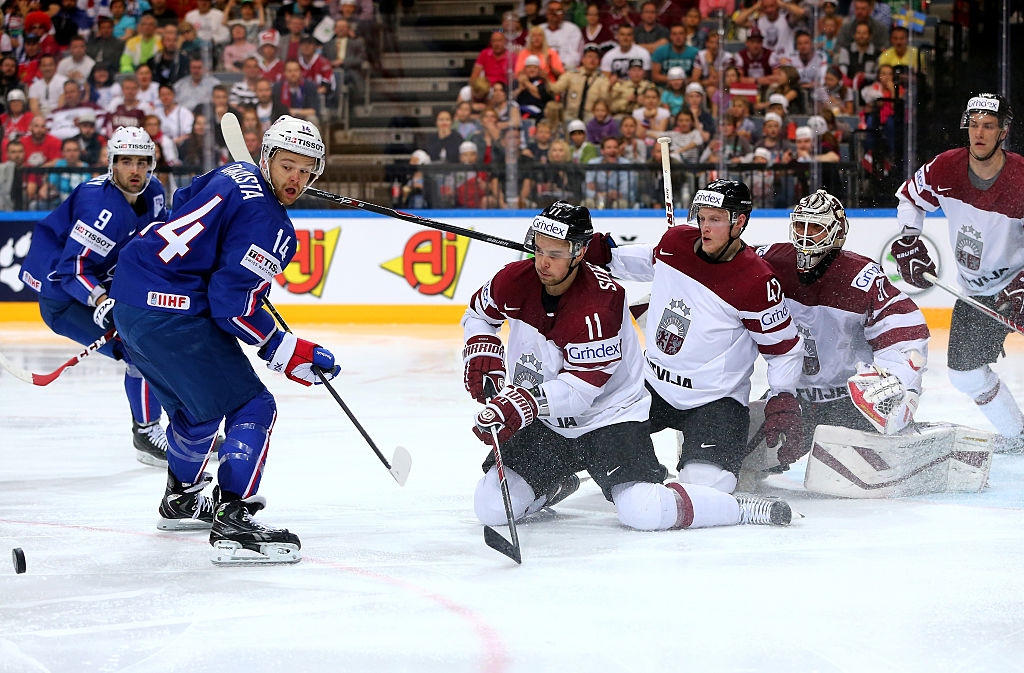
(293, 135)
(131, 141)
(818, 225)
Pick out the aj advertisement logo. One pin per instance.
(307, 272)
(431, 262)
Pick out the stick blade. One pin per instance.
(495, 541)
(401, 464)
(17, 371)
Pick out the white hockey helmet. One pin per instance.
(826, 211)
(134, 142)
(294, 135)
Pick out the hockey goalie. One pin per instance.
(865, 350)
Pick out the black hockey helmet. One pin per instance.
(563, 221)
(988, 103)
(730, 195)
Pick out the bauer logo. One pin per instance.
(307, 272)
(866, 278)
(178, 302)
(431, 262)
(261, 262)
(91, 239)
(594, 352)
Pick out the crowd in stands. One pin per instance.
(596, 83)
(72, 71)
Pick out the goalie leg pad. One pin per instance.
(488, 503)
(934, 458)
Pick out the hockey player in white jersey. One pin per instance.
(575, 398)
(980, 188)
(714, 306)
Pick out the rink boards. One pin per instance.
(357, 268)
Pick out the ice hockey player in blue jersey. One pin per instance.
(71, 263)
(187, 292)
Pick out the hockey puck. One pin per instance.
(19, 560)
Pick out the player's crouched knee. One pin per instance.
(645, 506)
(487, 501)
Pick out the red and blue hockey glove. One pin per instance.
(783, 430)
(102, 315)
(511, 409)
(1010, 301)
(484, 359)
(913, 260)
(599, 251)
(295, 358)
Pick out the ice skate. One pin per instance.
(238, 539)
(763, 510)
(184, 506)
(1013, 446)
(150, 443)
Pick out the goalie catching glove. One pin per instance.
(882, 398)
(508, 411)
(484, 359)
(295, 358)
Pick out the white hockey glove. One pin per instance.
(102, 315)
(882, 398)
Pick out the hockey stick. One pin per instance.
(235, 143)
(492, 538)
(990, 312)
(46, 379)
(401, 462)
(666, 174)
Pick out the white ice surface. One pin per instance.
(399, 579)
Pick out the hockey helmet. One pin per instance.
(131, 141)
(563, 221)
(988, 103)
(293, 135)
(826, 211)
(730, 195)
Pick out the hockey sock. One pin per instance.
(647, 506)
(145, 407)
(703, 506)
(708, 474)
(189, 446)
(993, 398)
(488, 504)
(246, 441)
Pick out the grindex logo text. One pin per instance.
(431, 262)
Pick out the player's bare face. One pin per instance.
(714, 230)
(130, 173)
(984, 135)
(552, 258)
(289, 173)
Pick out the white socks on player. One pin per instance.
(489, 506)
(645, 506)
(992, 397)
(708, 474)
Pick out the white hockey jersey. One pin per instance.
(708, 321)
(851, 314)
(986, 227)
(585, 357)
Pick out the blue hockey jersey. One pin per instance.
(76, 247)
(226, 239)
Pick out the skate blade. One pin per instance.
(183, 524)
(227, 553)
(149, 459)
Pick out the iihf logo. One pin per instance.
(675, 323)
(968, 248)
(528, 372)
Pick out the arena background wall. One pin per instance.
(351, 267)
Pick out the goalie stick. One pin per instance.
(47, 379)
(493, 538)
(666, 174)
(401, 461)
(235, 143)
(990, 312)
